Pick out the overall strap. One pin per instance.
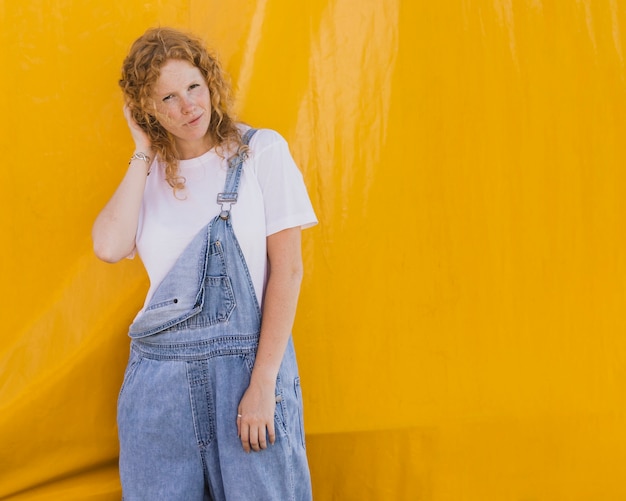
(231, 187)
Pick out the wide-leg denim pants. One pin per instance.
(191, 358)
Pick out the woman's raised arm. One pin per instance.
(115, 227)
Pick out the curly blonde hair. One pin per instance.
(140, 71)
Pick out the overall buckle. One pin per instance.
(226, 198)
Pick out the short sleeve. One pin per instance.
(286, 200)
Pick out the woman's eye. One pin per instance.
(193, 86)
(167, 98)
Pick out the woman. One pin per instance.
(210, 407)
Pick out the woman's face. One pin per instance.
(183, 106)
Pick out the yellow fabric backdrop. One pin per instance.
(461, 326)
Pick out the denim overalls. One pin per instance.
(192, 353)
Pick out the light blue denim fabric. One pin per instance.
(191, 358)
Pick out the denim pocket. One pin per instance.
(298, 392)
(131, 368)
(279, 414)
(219, 299)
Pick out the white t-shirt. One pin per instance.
(272, 197)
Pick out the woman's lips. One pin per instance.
(194, 121)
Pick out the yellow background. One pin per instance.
(461, 325)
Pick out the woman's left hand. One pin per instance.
(255, 417)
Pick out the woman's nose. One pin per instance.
(187, 105)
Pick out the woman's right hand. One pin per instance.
(141, 139)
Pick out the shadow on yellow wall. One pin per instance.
(460, 331)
